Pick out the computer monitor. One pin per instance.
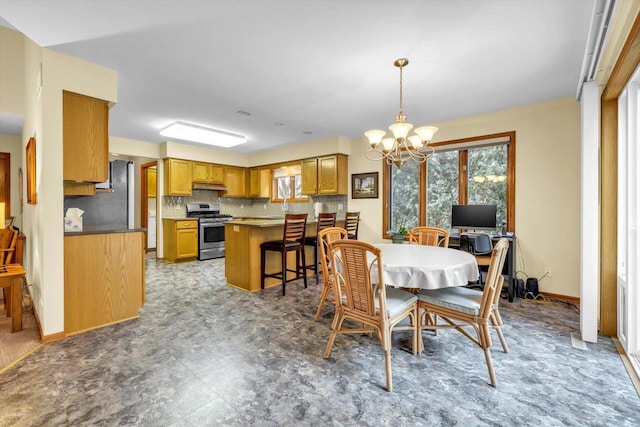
(474, 217)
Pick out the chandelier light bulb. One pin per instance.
(388, 143)
(375, 136)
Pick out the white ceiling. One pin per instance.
(321, 68)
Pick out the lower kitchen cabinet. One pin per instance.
(103, 279)
(180, 239)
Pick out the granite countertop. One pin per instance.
(103, 229)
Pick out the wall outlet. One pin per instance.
(340, 206)
(265, 206)
(547, 271)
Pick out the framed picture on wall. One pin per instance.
(31, 171)
(364, 185)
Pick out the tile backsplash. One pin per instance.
(174, 206)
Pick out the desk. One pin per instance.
(509, 268)
(11, 277)
(427, 267)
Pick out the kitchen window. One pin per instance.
(479, 170)
(287, 185)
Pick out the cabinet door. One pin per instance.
(217, 174)
(151, 182)
(177, 177)
(260, 182)
(201, 172)
(85, 135)
(332, 174)
(186, 243)
(309, 178)
(235, 182)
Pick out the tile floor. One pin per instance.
(203, 353)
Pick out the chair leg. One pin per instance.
(304, 268)
(386, 347)
(262, 267)
(485, 341)
(496, 320)
(284, 271)
(315, 260)
(323, 296)
(336, 325)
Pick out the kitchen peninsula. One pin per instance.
(103, 276)
(242, 258)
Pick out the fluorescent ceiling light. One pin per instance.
(201, 134)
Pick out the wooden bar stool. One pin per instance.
(325, 220)
(292, 240)
(351, 222)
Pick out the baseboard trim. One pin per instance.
(562, 298)
(633, 374)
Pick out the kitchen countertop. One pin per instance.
(103, 229)
(261, 222)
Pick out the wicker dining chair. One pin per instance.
(325, 220)
(377, 307)
(430, 236)
(328, 294)
(292, 240)
(462, 307)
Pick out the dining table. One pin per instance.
(426, 267)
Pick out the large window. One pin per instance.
(478, 170)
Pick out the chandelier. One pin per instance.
(400, 146)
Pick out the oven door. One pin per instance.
(211, 240)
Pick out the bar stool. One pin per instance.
(351, 222)
(325, 220)
(292, 240)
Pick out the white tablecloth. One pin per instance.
(426, 267)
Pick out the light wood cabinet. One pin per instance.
(85, 135)
(235, 181)
(217, 174)
(259, 182)
(152, 184)
(209, 173)
(103, 279)
(177, 177)
(325, 175)
(180, 239)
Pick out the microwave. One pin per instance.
(107, 185)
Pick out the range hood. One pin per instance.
(209, 187)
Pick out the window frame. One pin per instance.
(462, 146)
(292, 189)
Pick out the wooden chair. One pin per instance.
(430, 236)
(376, 305)
(292, 241)
(325, 220)
(351, 222)
(325, 237)
(8, 239)
(462, 307)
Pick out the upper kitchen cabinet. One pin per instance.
(177, 177)
(85, 133)
(235, 181)
(151, 182)
(259, 182)
(208, 173)
(325, 175)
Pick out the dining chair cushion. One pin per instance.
(397, 300)
(455, 298)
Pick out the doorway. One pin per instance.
(148, 202)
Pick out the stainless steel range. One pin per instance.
(210, 229)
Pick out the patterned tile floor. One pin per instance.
(203, 353)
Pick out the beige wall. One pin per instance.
(43, 222)
(12, 72)
(547, 186)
